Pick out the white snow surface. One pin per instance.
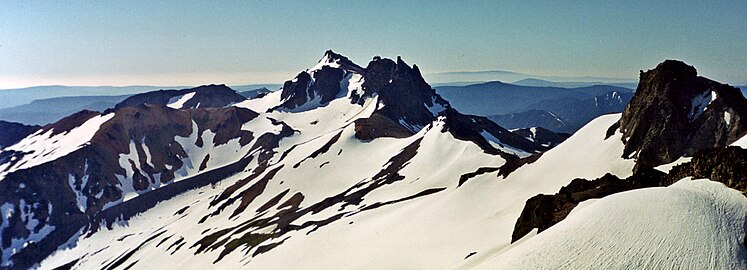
(44, 147)
(742, 142)
(668, 167)
(181, 100)
(433, 231)
(700, 104)
(696, 224)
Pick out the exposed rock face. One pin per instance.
(403, 91)
(321, 83)
(726, 165)
(206, 96)
(11, 133)
(141, 150)
(543, 211)
(674, 112)
(486, 133)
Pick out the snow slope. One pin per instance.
(741, 142)
(692, 224)
(449, 224)
(42, 146)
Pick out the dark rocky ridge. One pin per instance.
(726, 165)
(11, 133)
(206, 96)
(666, 118)
(543, 211)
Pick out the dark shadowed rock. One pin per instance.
(674, 112)
(727, 165)
(11, 133)
(543, 211)
(320, 84)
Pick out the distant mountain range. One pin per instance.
(21, 96)
(546, 83)
(43, 111)
(509, 76)
(555, 108)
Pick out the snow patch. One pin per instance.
(495, 142)
(668, 167)
(180, 101)
(700, 104)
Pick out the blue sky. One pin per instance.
(236, 42)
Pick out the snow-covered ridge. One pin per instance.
(42, 147)
(693, 224)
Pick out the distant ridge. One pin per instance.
(510, 76)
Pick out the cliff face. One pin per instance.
(675, 113)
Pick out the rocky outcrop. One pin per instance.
(675, 113)
(11, 133)
(206, 96)
(406, 97)
(543, 211)
(727, 165)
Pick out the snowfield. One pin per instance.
(692, 224)
(449, 224)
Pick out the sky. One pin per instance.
(242, 42)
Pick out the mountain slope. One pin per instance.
(693, 224)
(206, 96)
(533, 118)
(345, 167)
(107, 169)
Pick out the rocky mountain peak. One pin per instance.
(675, 113)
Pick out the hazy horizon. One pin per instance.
(256, 42)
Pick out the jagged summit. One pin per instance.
(675, 113)
(403, 102)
